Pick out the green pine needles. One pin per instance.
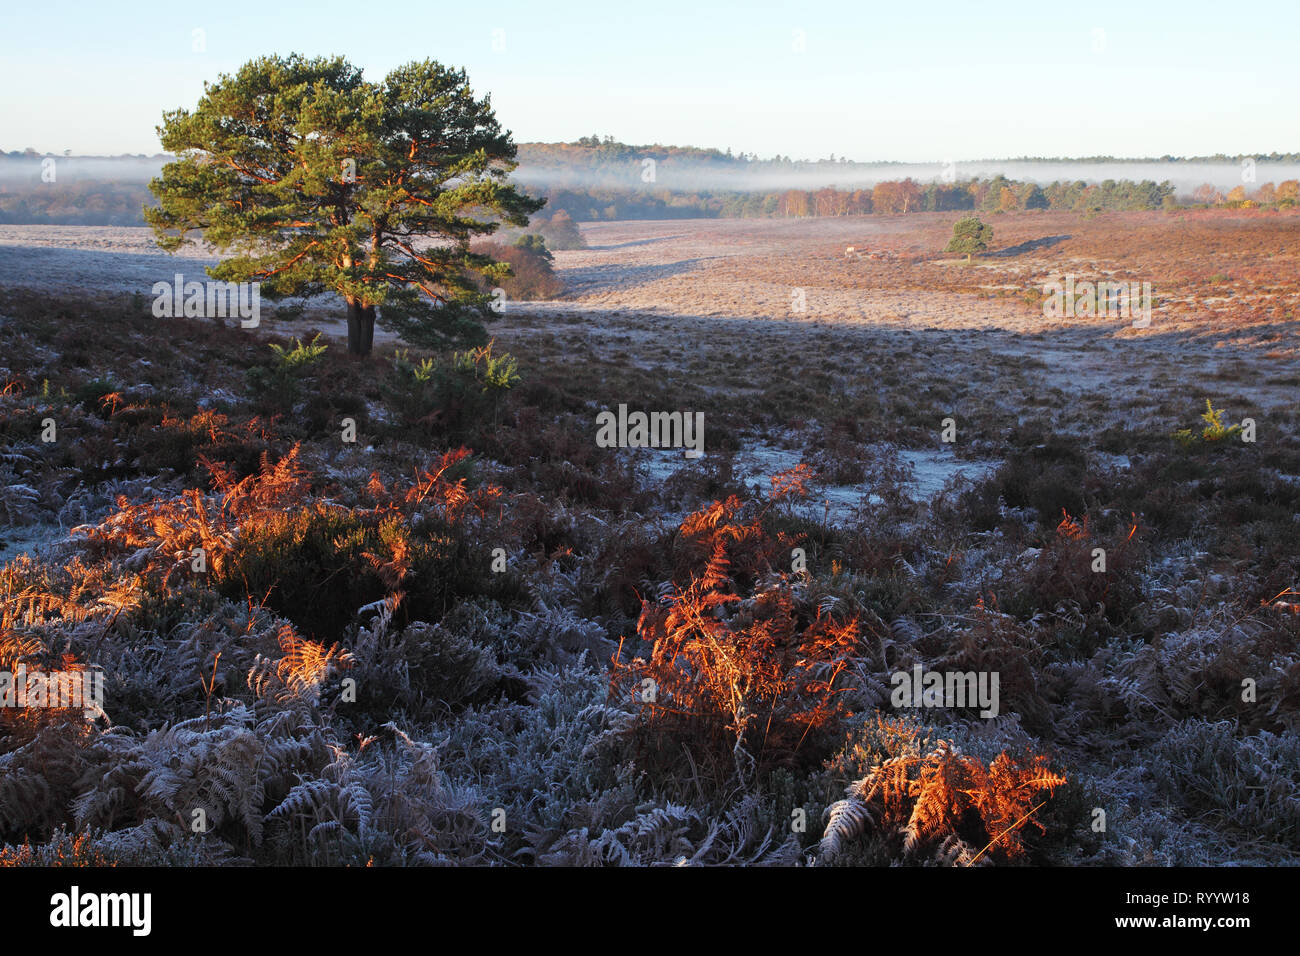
(1214, 430)
(279, 386)
(970, 235)
(447, 397)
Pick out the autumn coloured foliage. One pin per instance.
(947, 804)
(740, 668)
(308, 558)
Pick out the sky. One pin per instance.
(916, 82)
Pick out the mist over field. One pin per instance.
(127, 170)
(688, 175)
(539, 170)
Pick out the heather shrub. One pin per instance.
(90, 395)
(1049, 478)
(323, 413)
(989, 641)
(560, 455)
(181, 443)
(1081, 587)
(319, 564)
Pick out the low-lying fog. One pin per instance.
(689, 176)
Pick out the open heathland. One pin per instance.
(406, 609)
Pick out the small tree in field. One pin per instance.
(319, 181)
(970, 235)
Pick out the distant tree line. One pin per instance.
(607, 154)
(1284, 195)
(997, 194)
(1222, 159)
(85, 202)
(598, 151)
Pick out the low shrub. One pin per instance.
(532, 276)
(278, 386)
(458, 398)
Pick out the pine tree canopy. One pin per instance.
(309, 179)
(970, 235)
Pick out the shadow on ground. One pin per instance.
(1045, 243)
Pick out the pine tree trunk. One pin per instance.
(367, 328)
(361, 328)
(354, 328)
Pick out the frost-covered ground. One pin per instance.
(926, 473)
(1162, 683)
(641, 285)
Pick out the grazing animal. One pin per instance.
(852, 253)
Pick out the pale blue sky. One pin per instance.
(923, 81)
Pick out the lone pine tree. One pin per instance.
(316, 181)
(970, 235)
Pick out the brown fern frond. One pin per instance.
(306, 664)
(930, 801)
